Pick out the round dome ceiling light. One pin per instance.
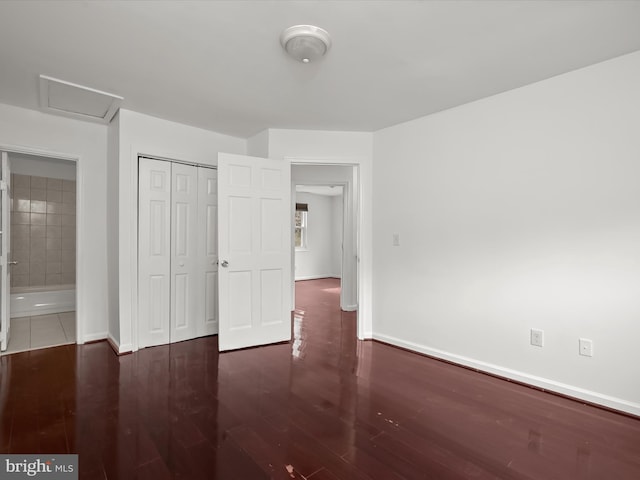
(305, 43)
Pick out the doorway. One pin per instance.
(318, 231)
(333, 190)
(318, 239)
(39, 249)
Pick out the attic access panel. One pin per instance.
(77, 101)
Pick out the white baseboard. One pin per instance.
(366, 336)
(543, 383)
(94, 337)
(119, 349)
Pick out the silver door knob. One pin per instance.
(13, 263)
(224, 264)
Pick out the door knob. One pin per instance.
(13, 263)
(224, 264)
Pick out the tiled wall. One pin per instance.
(43, 231)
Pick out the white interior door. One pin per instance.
(5, 267)
(254, 232)
(184, 249)
(207, 251)
(154, 252)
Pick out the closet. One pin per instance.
(177, 251)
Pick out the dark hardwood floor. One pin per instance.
(323, 407)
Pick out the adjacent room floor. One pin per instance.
(42, 331)
(323, 407)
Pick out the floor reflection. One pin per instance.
(297, 341)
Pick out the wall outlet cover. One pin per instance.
(537, 337)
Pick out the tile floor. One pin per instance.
(30, 333)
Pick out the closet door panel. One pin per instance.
(154, 252)
(207, 251)
(184, 245)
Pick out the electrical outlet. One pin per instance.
(537, 337)
(586, 347)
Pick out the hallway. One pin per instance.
(323, 407)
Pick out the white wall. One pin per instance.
(517, 211)
(143, 134)
(258, 145)
(336, 240)
(113, 228)
(53, 136)
(339, 148)
(317, 260)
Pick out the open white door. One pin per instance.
(254, 232)
(5, 267)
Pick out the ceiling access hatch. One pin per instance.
(77, 101)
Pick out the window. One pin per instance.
(301, 225)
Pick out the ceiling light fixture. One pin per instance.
(305, 43)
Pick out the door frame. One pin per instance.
(50, 154)
(360, 168)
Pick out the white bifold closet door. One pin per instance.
(207, 251)
(177, 252)
(184, 250)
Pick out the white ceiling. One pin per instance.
(219, 65)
